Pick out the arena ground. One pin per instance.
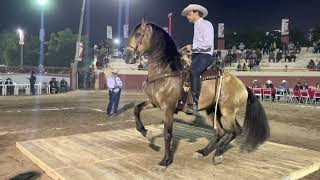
(26, 118)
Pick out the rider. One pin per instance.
(202, 49)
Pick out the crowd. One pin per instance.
(102, 52)
(312, 66)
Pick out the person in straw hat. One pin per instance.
(114, 84)
(201, 48)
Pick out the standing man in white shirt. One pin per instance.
(114, 84)
(202, 48)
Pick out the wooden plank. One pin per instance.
(125, 154)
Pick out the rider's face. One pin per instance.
(192, 16)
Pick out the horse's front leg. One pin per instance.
(137, 110)
(167, 133)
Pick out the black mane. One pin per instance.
(163, 49)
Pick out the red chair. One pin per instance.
(304, 96)
(267, 93)
(295, 96)
(316, 97)
(257, 92)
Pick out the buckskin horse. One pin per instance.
(164, 85)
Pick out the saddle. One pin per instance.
(211, 73)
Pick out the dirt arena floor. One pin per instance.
(26, 118)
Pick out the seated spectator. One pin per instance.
(272, 57)
(63, 85)
(244, 67)
(279, 56)
(318, 66)
(255, 84)
(283, 86)
(293, 56)
(53, 86)
(145, 65)
(239, 68)
(140, 67)
(298, 86)
(269, 84)
(287, 56)
(298, 48)
(285, 68)
(305, 86)
(311, 65)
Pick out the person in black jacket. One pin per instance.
(32, 80)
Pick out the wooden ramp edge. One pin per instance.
(58, 156)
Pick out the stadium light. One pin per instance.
(42, 2)
(116, 41)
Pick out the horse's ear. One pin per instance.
(143, 23)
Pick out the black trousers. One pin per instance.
(199, 64)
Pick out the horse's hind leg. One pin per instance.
(232, 129)
(212, 143)
(137, 110)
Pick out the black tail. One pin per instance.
(256, 126)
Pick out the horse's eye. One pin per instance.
(138, 35)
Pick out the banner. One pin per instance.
(221, 30)
(109, 32)
(80, 51)
(126, 31)
(285, 27)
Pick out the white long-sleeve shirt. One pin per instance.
(113, 82)
(203, 38)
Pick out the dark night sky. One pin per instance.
(238, 15)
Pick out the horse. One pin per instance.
(163, 89)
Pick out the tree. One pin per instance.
(9, 49)
(61, 48)
(31, 51)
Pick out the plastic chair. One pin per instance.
(267, 93)
(304, 96)
(280, 95)
(257, 92)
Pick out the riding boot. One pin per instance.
(195, 85)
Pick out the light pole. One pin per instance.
(21, 42)
(42, 4)
(74, 66)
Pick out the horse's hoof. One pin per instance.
(165, 162)
(149, 135)
(197, 155)
(217, 160)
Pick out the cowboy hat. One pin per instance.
(115, 71)
(283, 81)
(194, 7)
(255, 80)
(269, 82)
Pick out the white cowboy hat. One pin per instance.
(116, 71)
(255, 80)
(283, 81)
(194, 7)
(269, 82)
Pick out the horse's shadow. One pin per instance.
(198, 121)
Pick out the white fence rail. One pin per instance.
(18, 89)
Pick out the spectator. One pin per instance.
(63, 85)
(318, 66)
(287, 56)
(290, 46)
(269, 84)
(293, 56)
(311, 65)
(272, 56)
(53, 86)
(255, 84)
(140, 67)
(114, 84)
(241, 47)
(279, 56)
(298, 48)
(1, 84)
(32, 81)
(285, 68)
(219, 54)
(284, 86)
(239, 68)
(305, 86)
(244, 67)
(298, 86)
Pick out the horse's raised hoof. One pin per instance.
(217, 159)
(197, 155)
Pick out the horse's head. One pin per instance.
(138, 42)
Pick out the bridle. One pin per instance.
(136, 53)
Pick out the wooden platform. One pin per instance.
(125, 154)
